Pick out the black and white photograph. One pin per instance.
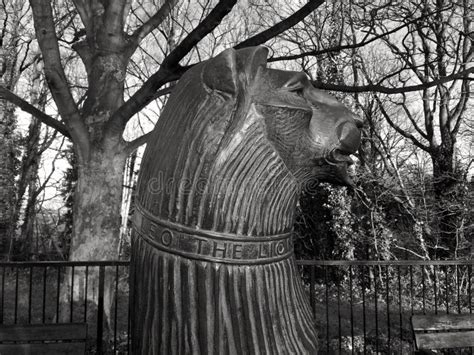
(236, 177)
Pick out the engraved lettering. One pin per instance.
(280, 248)
(206, 247)
(264, 250)
(237, 251)
(166, 237)
(219, 248)
(200, 242)
(153, 228)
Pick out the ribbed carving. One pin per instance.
(192, 307)
(235, 183)
(211, 168)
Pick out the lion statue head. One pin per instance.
(236, 143)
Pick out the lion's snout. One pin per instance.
(349, 136)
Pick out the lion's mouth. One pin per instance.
(339, 157)
(340, 161)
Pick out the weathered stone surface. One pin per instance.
(213, 270)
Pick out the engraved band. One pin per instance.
(209, 245)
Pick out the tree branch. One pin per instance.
(412, 119)
(6, 94)
(202, 30)
(339, 48)
(152, 23)
(398, 90)
(163, 92)
(456, 113)
(141, 98)
(170, 69)
(54, 72)
(84, 12)
(399, 129)
(136, 143)
(111, 33)
(282, 26)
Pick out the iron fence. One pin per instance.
(365, 306)
(60, 292)
(359, 306)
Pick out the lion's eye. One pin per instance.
(299, 92)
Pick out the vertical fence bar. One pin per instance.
(363, 269)
(423, 288)
(58, 289)
(43, 306)
(312, 291)
(86, 289)
(411, 288)
(100, 309)
(351, 304)
(435, 288)
(71, 305)
(16, 296)
(30, 291)
(469, 292)
(326, 282)
(400, 308)
(116, 307)
(458, 291)
(387, 301)
(376, 312)
(3, 294)
(469, 295)
(339, 326)
(129, 311)
(446, 280)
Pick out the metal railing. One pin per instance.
(359, 306)
(62, 292)
(365, 306)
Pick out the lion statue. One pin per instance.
(213, 270)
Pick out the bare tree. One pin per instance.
(35, 142)
(12, 19)
(432, 49)
(411, 64)
(106, 39)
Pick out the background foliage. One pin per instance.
(405, 67)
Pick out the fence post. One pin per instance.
(312, 295)
(100, 310)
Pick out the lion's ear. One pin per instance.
(222, 72)
(250, 59)
(219, 73)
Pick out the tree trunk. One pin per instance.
(447, 208)
(7, 177)
(96, 215)
(7, 152)
(27, 180)
(96, 227)
(27, 228)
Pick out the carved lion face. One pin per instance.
(312, 131)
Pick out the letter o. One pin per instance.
(166, 237)
(280, 248)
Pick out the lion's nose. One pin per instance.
(358, 122)
(349, 136)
